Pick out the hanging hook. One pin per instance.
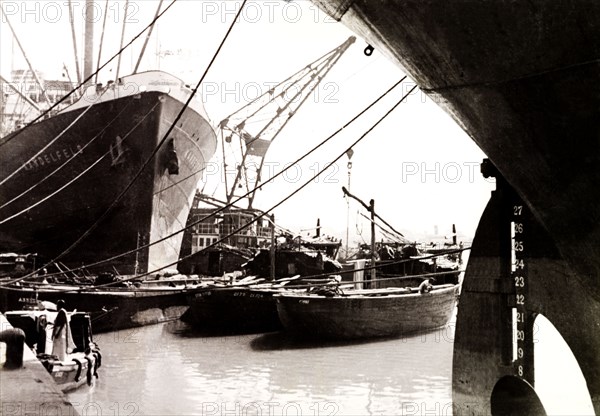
(369, 50)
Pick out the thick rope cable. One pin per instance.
(227, 206)
(265, 213)
(314, 276)
(85, 81)
(33, 273)
(274, 207)
(154, 152)
(348, 123)
(79, 175)
(45, 178)
(50, 143)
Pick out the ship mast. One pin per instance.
(33, 72)
(258, 123)
(137, 65)
(88, 60)
(122, 40)
(74, 39)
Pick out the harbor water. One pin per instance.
(167, 369)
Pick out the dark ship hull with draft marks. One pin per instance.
(60, 175)
(521, 78)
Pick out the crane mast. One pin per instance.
(258, 123)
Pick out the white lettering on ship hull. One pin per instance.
(55, 156)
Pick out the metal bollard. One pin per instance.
(15, 343)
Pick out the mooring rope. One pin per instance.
(85, 81)
(69, 160)
(214, 213)
(108, 152)
(154, 152)
(316, 175)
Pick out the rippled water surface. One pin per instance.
(167, 369)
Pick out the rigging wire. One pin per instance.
(265, 213)
(232, 204)
(214, 213)
(359, 231)
(227, 206)
(157, 147)
(301, 158)
(391, 231)
(80, 174)
(368, 64)
(122, 39)
(74, 38)
(139, 61)
(85, 81)
(101, 39)
(33, 72)
(67, 161)
(50, 143)
(389, 234)
(20, 102)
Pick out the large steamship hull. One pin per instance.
(521, 78)
(122, 134)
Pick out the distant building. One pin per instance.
(218, 226)
(233, 251)
(23, 99)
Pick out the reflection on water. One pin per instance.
(167, 369)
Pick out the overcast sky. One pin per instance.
(418, 165)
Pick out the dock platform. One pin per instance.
(29, 390)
